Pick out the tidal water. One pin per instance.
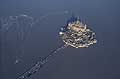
(29, 31)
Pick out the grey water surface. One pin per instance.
(22, 44)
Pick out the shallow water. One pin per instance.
(22, 46)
